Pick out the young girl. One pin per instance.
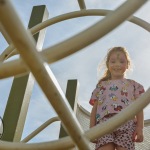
(113, 93)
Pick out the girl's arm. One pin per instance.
(93, 115)
(140, 120)
(138, 134)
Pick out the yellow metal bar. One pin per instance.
(97, 131)
(81, 4)
(16, 67)
(4, 33)
(42, 73)
(21, 90)
(38, 130)
(66, 142)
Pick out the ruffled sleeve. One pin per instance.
(138, 90)
(94, 96)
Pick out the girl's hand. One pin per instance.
(138, 135)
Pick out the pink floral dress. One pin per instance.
(114, 95)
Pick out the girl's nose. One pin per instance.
(117, 64)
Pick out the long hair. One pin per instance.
(107, 75)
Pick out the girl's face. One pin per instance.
(117, 65)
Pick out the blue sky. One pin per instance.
(83, 64)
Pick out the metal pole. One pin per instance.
(19, 98)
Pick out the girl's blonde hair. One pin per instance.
(107, 75)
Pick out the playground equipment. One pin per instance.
(36, 62)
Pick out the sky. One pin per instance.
(83, 64)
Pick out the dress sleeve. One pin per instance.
(139, 89)
(94, 96)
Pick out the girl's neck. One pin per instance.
(117, 78)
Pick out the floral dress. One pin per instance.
(114, 95)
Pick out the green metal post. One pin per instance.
(19, 98)
(71, 95)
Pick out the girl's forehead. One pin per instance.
(117, 55)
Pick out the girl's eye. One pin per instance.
(122, 62)
(112, 61)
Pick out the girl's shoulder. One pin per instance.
(108, 82)
(131, 81)
(134, 83)
(138, 88)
